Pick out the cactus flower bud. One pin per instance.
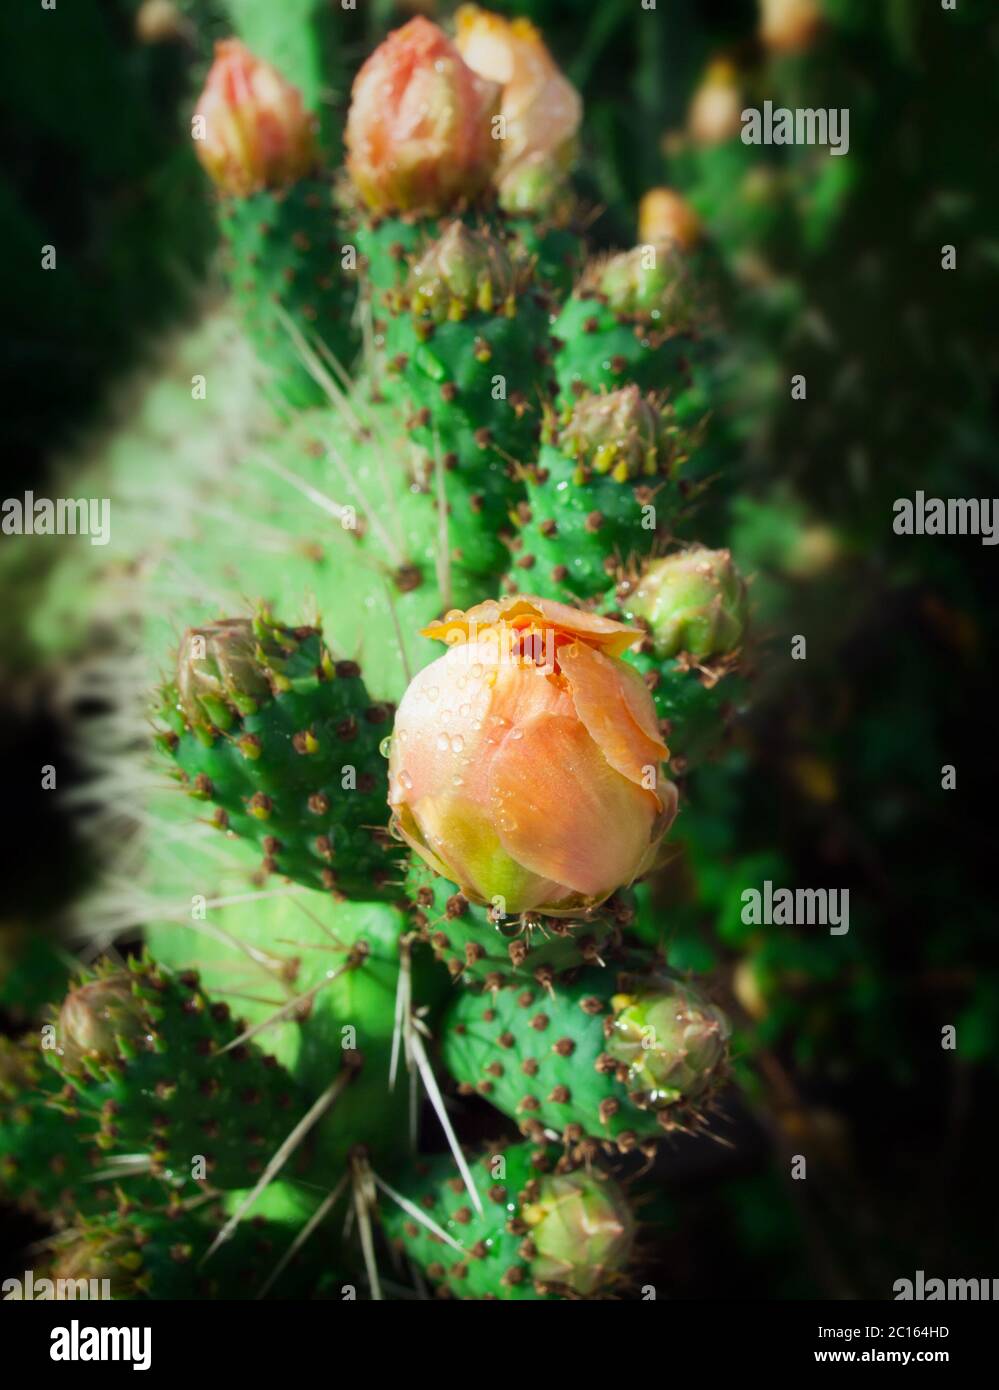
(95, 1017)
(540, 108)
(462, 271)
(419, 132)
(257, 133)
(650, 281)
(618, 432)
(672, 1042)
(790, 26)
(525, 763)
(217, 668)
(665, 216)
(693, 602)
(581, 1229)
(715, 113)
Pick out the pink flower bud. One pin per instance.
(540, 108)
(419, 132)
(526, 762)
(257, 133)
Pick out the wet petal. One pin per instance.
(461, 835)
(563, 812)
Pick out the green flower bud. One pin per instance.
(694, 601)
(461, 272)
(672, 1041)
(582, 1230)
(99, 1020)
(621, 433)
(650, 281)
(234, 666)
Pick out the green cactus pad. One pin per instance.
(542, 218)
(467, 366)
(285, 252)
(42, 1164)
(545, 1232)
(601, 494)
(284, 742)
(476, 950)
(141, 1054)
(628, 322)
(558, 253)
(157, 1251)
(568, 1061)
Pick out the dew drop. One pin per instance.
(443, 743)
(406, 781)
(457, 743)
(385, 747)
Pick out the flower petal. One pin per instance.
(563, 812)
(614, 705)
(455, 832)
(520, 609)
(454, 717)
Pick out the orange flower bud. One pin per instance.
(257, 133)
(526, 762)
(419, 132)
(663, 215)
(540, 108)
(790, 26)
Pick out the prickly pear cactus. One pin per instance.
(412, 886)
